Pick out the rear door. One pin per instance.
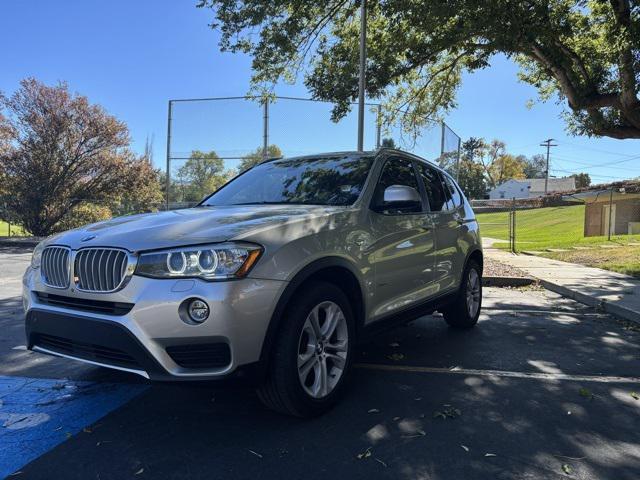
(403, 249)
(447, 217)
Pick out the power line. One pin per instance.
(609, 152)
(562, 158)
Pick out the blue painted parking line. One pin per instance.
(38, 414)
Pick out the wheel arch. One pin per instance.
(336, 270)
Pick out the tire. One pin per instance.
(287, 388)
(460, 314)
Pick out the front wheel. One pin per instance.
(464, 311)
(312, 355)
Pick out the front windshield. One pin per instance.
(326, 180)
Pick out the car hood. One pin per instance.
(189, 226)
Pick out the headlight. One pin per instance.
(37, 255)
(209, 262)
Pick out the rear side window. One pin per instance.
(454, 199)
(433, 186)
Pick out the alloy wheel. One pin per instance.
(473, 293)
(322, 349)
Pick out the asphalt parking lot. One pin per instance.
(542, 388)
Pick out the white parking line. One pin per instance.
(500, 373)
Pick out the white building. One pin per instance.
(531, 188)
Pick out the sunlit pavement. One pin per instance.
(542, 388)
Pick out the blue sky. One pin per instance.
(131, 57)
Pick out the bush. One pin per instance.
(83, 214)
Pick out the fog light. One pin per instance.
(198, 310)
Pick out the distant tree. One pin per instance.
(473, 148)
(471, 179)
(498, 165)
(202, 174)
(582, 180)
(148, 150)
(256, 157)
(534, 166)
(64, 152)
(388, 143)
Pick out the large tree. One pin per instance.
(63, 152)
(586, 53)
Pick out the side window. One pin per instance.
(433, 186)
(454, 199)
(396, 171)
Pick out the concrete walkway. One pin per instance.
(611, 292)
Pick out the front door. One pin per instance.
(403, 250)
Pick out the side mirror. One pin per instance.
(402, 197)
(401, 194)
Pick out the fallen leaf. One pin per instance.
(139, 471)
(68, 434)
(374, 410)
(567, 468)
(448, 412)
(381, 462)
(417, 399)
(255, 453)
(395, 419)
(465, 448)
(635, 396)
(490, 455)
(419, 433)
(394, 344)
(584, 392)
(87, 430)
(365, 454)
(395, 357)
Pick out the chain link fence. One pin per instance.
(234, 129)
(592, 223)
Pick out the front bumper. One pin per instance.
(150, 339)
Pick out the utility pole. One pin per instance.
(361, 83)
(547, 143)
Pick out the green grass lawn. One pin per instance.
(15, 230)
(541, 228)
(563, 227)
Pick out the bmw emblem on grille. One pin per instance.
(88, 237)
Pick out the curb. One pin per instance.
(600, 305)
(506, 281)
(21, 242)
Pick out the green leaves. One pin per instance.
(581, 53)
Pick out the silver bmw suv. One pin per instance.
(274, 277)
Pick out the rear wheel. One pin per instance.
(312, 355)
(464, 311)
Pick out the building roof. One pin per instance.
(536, 185)
(564, 184)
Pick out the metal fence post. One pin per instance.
(513, 225)
(610, 211)
(378, 125)
(168, 179)
(265, 129)
(458, 159)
